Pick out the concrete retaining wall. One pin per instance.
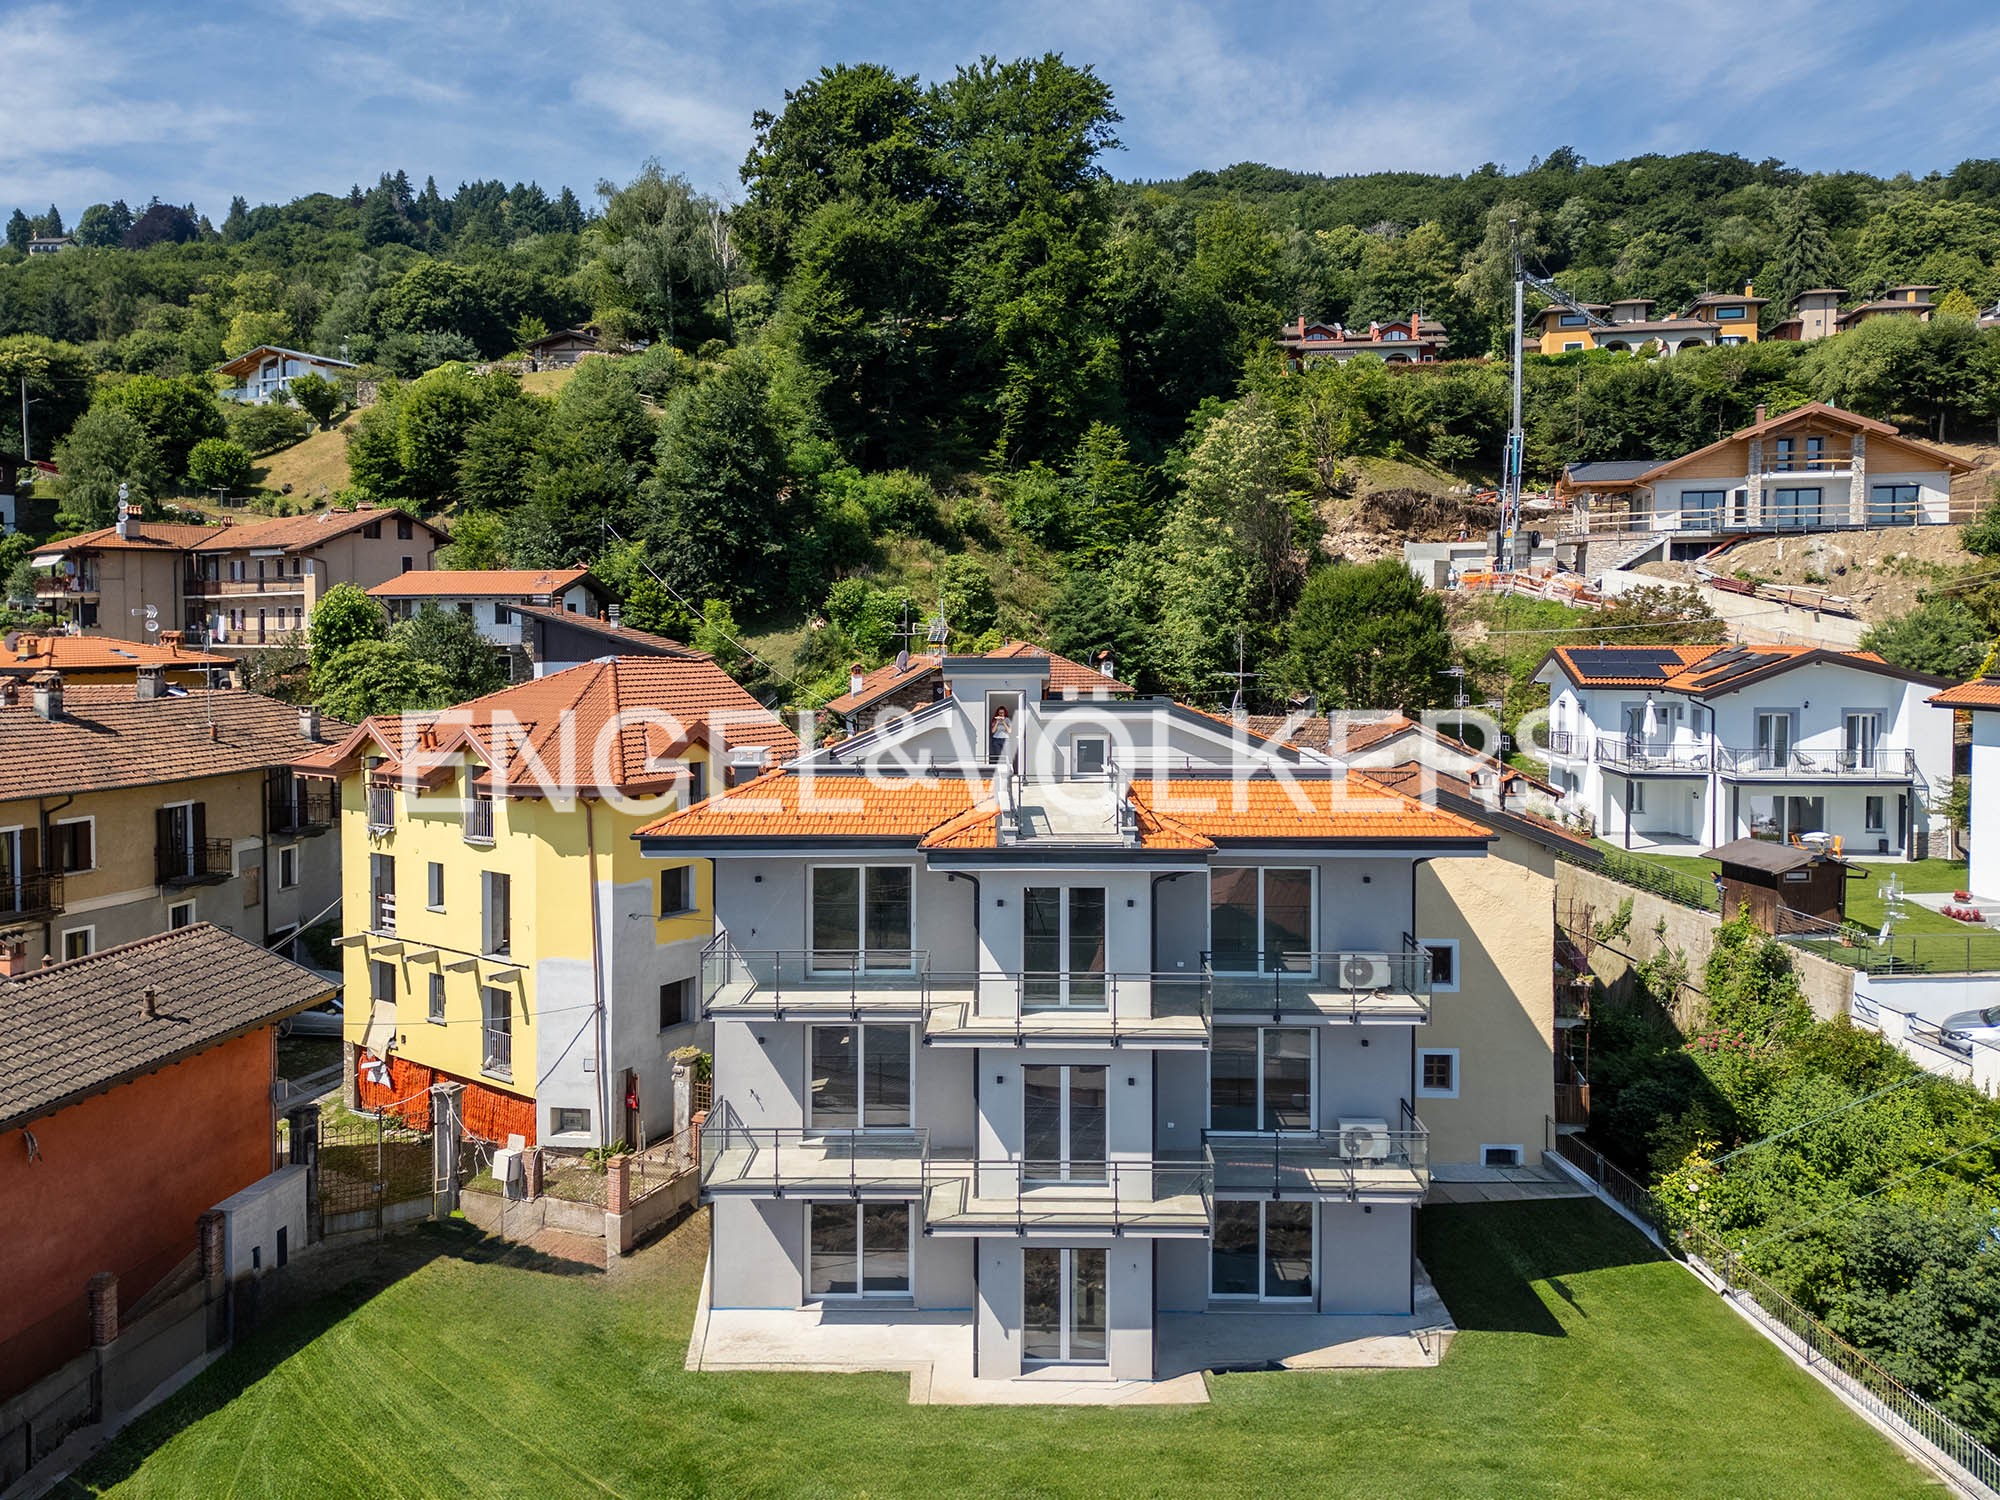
(1658, 924)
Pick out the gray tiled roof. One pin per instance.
(74, 1029)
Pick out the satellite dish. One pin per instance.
(151, 626)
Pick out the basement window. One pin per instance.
(1500, 1156)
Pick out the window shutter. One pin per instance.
(163, 841)
(198, 821)
(30, 848)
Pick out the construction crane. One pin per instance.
(1510, 469)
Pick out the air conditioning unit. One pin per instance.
(1366, 971)
(1364, 1140)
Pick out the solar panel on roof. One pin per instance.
(1737, 668)
(1647, 662)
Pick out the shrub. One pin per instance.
(218, 464)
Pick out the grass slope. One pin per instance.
(313, 467)
(1588, 1367)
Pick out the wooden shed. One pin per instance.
(1787, 887)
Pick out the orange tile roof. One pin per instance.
(107, 738)
(502, 583)
(1409, 779)
(294, 533)
(1981, 692)
(97, 653)
(1258, 808)
(783, 804)
(874, 684)
(154, 536)
(595, 727)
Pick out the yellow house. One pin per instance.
(1628, 324)
(502, 928)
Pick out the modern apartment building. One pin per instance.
(1814, 468)
(1073, 1036)
(249, 584)
(1690, 747)
(137, 808)
(501, 928)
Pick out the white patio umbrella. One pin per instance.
(1651, 724)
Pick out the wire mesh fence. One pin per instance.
(1633, 870)
(367, 1163)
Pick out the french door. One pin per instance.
(1260, 1078)
(859, 1077)
(860, 918)
(858, 1250)
(1860, 737)
(1062, 947)
(1262, 1251)
(1260, 920)
(1062, 1307)
(1774, 740)
(1062, 1114)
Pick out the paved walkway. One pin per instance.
(1468, 1184)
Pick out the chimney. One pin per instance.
(48, 694)
(854, 678)
(1374, 331)
(129, 528)
(614, 614)
(1106, 665)
(149, 1004)
(1760, 414)
(152, 683)
(10, 692)
(172, 640)
(1749, 288)
(309, 724)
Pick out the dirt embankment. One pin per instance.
(1879, 573)
(1395, 502)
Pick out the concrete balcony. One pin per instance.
(1360, 1163)
(1353, 985)
(885, 1162)
(1634, 754)
(1158, 1199)
(1765, 764)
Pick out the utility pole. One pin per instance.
(1510, 470)
(24, 420)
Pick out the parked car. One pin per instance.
(324, 1021)
(1974, 1025)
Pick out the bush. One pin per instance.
(218, 464)
(266, 429)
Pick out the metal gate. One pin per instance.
(373, 1173)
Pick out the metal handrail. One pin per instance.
(1114, 1195)
(1113, 1005)
(1883, 760)
(781, 1159)
(1631, 752)
(1299, 982)
(31, 893)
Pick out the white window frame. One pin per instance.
(189, 907)
(88, 932)
(1457, 975)
(861, 1294)
(861, 917)
(1263, 1231)
(557, 1111)
(1457, 1078)
(91, 819)
(1312, 938)
(1312, 1095)
(1102, 741)
(861, 1030)
(434, 885)
(288, 854)
(1520, 1153)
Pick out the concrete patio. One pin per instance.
(1469, 1184)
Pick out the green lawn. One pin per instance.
(1864, 891)
(1588, 1367)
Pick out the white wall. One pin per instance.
(253, 1217)
(1365, 1253)
(1985, 831)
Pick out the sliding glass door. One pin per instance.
(1063, 1307)
(1262, 1251)
(1062, 947)
(1063, 1136)
(1260, 920)
(858, 1250)
(1260, 1078)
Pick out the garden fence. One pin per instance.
(1627, 869)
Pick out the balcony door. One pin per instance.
(1774, 739)
(860, 918)
(859, 1077)
(13, 871)
(858, 1250)
(1798, 509)
(1261, 1252)
(1063, 1307)
(1260, 920)
(1860, 739)
(1260, 1078)
(1062, 947)
(1063, 1122)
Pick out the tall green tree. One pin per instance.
(1803, 256)
(105, 449)
(1368, 636)
(654, 256)
(177, 412)
(449, 642)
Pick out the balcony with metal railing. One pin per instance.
(30, 894)
(303, 807)
(1359, 1162)
(1342, 985)
(1159, 1198)
(1073, 1007)
(182, 862)
(1566, 744)
(884, 1162)
(1635, 753)
(780, 983)
(1766, 763)
(381, 810)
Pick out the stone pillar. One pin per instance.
(304, 1126)
(618, 1189)
(531, 1172)
(350, 1084)
(208, 1238)
(683, 1110)
(1754, 500)
(103, 1309)
(1857, 483)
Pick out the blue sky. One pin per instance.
(274, 98)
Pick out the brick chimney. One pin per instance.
(1760, 414)
(149, 1004)
(309, 724)
(151, 683)
(48, 694)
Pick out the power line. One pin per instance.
(1772, 1140)
(682, 600)
(1929, 1166)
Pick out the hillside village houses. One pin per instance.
(132, 808)
(1628, 324)
(1412, 340)
(501, 928)
(1684, 748)
(238, 586)
(1100, 1024)
(1814, 468)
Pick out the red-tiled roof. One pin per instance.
(1981, 692)
(783, 804)
(297, 533)
(98, 653)
(154, 536)
(1700, 670)
(1409, 779)
(618, 723)
(1254, 809)
(480, 583)
(1065, 676)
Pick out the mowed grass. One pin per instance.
(1588, 1367)
(1864, 889)
(315, 466)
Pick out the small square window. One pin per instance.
(381, 982)
(1444, 964)
(436, 1010)
(1437, 1073)
(1088, 755)
(180, 914)
(674, 996)
(79, 942)
(569, 1121)
(677, 891)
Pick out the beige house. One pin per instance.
(128, 810)
(248, 584)
(1817, 314)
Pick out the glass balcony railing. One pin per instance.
(1358, 1160)
(1349, 984)
(889, 1161)
(1012, 1196)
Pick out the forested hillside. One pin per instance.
(938, 354)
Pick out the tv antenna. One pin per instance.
(1240, 676)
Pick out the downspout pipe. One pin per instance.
(597, 970)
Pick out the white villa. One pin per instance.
(262, 372)
(1052, 1027)
(1684, 748)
